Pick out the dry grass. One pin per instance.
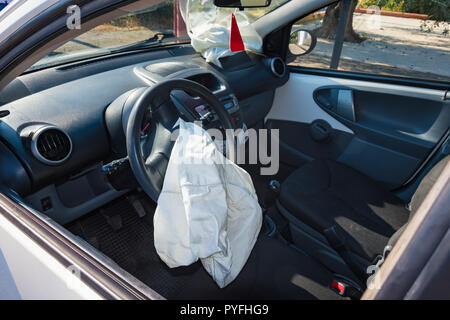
(311, 17)
(110, 27)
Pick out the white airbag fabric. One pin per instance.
(209, 27)
(207, 210)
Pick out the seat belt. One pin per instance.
(346, 289)
(337, 242)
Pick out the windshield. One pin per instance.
(158, 25)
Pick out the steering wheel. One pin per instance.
(150, 169)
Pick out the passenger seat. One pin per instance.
(342, 205)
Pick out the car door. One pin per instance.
(383, 110)
(30, 272)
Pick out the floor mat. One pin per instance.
(131, 244)
(126, 237)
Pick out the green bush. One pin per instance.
(393, 5)
(437, 9)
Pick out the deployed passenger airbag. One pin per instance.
(209, 29)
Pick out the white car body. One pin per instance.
(18, 13)
(29, 272)
(27, 269)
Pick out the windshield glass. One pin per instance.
(157, 25)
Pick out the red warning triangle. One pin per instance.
(236, 43)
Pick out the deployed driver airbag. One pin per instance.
(207, 210)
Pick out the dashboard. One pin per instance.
(65, 123)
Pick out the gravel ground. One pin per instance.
(392, 43)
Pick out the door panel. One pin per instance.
(383, 130)
(382, 164)
(295, 102)
(407, 124)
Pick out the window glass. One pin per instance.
(159, 24)
(320, 57)
(383, 37)
(131, 28)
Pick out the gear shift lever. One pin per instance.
(271, 194)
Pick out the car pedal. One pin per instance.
(114, 220)
(138, 206)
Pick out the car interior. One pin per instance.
(84, 143)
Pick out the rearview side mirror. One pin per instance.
(302, 42)
(242, 3)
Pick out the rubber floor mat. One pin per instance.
(131, 245)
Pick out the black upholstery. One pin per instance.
(426, 184)
(325, 193)
(273, 271)
(321, 194)
(422, 190)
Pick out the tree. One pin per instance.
(330, 23)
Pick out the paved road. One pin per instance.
(391, 42)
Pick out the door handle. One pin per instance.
(345, 104)
(337, 101)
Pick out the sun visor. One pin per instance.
(209, 28)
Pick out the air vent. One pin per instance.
(51, 145)
(278, 67)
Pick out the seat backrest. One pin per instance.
(422, 190)
(427, 183)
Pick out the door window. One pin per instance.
(382, 37)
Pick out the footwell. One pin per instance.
(121, 231)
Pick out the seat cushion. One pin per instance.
(324, 193)
(273, 271)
